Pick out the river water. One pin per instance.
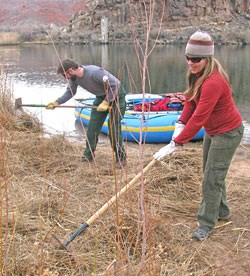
(32, 69)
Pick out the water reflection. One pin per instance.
(33, 69)
(37, 64)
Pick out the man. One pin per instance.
(110, 99)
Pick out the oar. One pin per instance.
(105, 207)
(19, 104)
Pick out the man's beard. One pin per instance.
(73, 77)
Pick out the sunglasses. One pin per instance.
(194, 59)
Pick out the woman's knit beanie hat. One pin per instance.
(200, 44)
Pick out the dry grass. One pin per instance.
(9, 38)
(47, 192)
(10, 118)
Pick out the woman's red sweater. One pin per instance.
(214, 109)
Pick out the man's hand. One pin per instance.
(52, 105)
(167, 150)
(103, 106)
(178, 129)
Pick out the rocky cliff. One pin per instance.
(29, 15)
(226, 20)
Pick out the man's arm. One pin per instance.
(69, 93)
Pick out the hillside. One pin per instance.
(79, 21)
(228, 21)
(27, 15)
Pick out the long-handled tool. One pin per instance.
(19, 105)
(105, 207)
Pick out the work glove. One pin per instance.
(178, 129)
(103, 106)
(52, 105)
(167, 150)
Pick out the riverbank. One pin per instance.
(47, 192)
(234, 31)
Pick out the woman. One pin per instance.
(209, 103)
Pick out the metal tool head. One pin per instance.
(62, 245)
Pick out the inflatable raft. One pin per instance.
(155, 125)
